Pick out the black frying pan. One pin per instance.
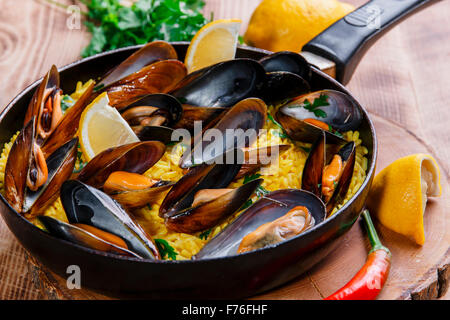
(231, 277)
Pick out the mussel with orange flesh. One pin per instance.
(327, 110)
(294, 222)
(211, 209)
(135, 157)
(86, 236)
(181, 195)
(45, 105)
(133, 190)
(271, 207)
(60, 167)
(31, 181)
(287, 61)
(255, 158)
(159, 77)
(84, 204)
(244, 121)
(68, 126)
(328, 174)
(148, 54)
(221, 85)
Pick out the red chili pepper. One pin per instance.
(368, 282)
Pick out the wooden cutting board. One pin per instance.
(404, 77)
(416, 272)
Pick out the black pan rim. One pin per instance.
(267, 250)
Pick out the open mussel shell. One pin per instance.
(348, 154)
(194, 113)
(167, 106)
(243, 121)
(139, 198)
(211, 213)
(135, 157)
(155, 133)
(269, 208)
(321, 154)
(159, 77)
(341, 113)
(87, 205)
(17, 166)
(79, 236)
(221, 85)
(68, 126)
(281, 86)
(50, 81)
(60, 166)
(289, 62)
(313, 169)
(181, 196)
(256, 158)
(148, 54)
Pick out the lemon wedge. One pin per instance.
(214, 43)
(400, 192)
(102, 127)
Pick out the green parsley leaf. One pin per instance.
(261, 191)
(66, 103)
(321, 101)
(165, 249)
(250, 178)
(247, 204)
(241, 40)
(114, 25)
(205, 234)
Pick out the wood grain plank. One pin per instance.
(404, 78)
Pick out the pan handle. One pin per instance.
(347, 40)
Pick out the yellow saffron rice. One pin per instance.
(285, 173)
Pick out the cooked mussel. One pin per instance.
(255, 158)
(134, 190)
(158, 77)
(45, 105)
(327, 110)
(221, 85)
(148, 54)
(86, 205)
(68, 126)
(243, 121)
(281, 86)
(156, 133)
(268, 209)
(87, 236)
(181, 195)
(154, 110)
(328, 174)
(135, 157)
(31, 181)
(210, 207)
(287, 61)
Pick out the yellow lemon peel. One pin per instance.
(278, 25)
(400, 192)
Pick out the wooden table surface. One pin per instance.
(403, 78)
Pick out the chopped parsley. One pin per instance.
(306, 149)
(261, 191)
(247, 204)
(114, 25)
(165, 249)
(66, 103)
(330, 128)
(250, 178)
(281, 134)
(321, 101)
(205, 234)
(79, 158)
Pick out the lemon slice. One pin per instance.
(102, 127)
(400, 192)
(214, 43)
